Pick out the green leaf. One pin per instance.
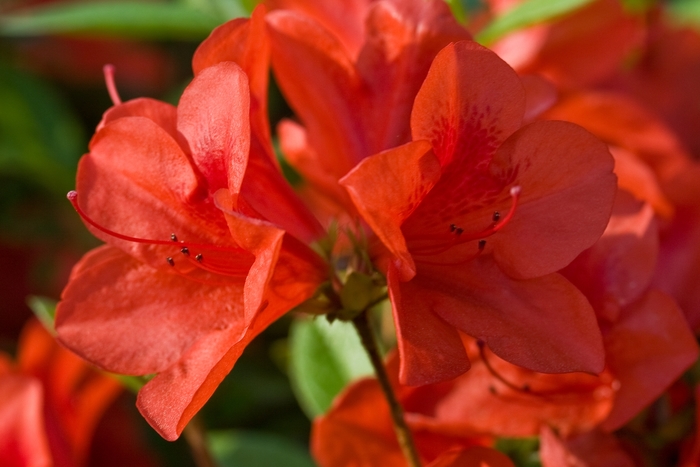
(40, 138)
(324, 358)
(143, 20)
(45, 310)
(256, 449)
(685, 12)
(525, 14)
(524, 452)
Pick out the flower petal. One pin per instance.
(498, 398)
(213, 116)
(246, 43)
(469, 103)
(430, 350)
(387, 188)
(477, 456)
(567, 193)
(128, 318)
(542, 324)
(345, 19)
(592, 449)
(648, 348)
(162, 113)
(174, 396)
(23, 440)
(321, 84)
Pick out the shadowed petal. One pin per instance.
(593, 449)
(542, 324)
(430, 350)
(648, 348)
(319, 79)
(502, 399)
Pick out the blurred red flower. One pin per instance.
(50, 403)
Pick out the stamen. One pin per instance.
(482, 245)
(226, 260)
(461, 236)
(525, 388)
(111, 87)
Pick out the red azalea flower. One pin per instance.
(193, 269)
(50, 403)
(477, 214)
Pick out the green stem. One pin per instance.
(403, 434)
(196, 438)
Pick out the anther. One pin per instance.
(482, 245)
(492, 390)
(185, 251)
(170, 261)
(173, 237)
(496, 216)
(459, 230)
(453, 227)
(199, 257)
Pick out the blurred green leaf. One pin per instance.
(524, 452)
(685, 12)
(256, 449)
(463, 9)
(226, 9)
(525, 14)
(144, 20)
(40, 138)
(45, 310)
(324, 358)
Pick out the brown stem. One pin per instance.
(196, 438)
(403, 434)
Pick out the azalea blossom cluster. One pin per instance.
(530, 210)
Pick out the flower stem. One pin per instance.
(403, 434)
(196, 438)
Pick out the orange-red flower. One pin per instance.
(477, 214)
(50, 403)
(196, 264)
